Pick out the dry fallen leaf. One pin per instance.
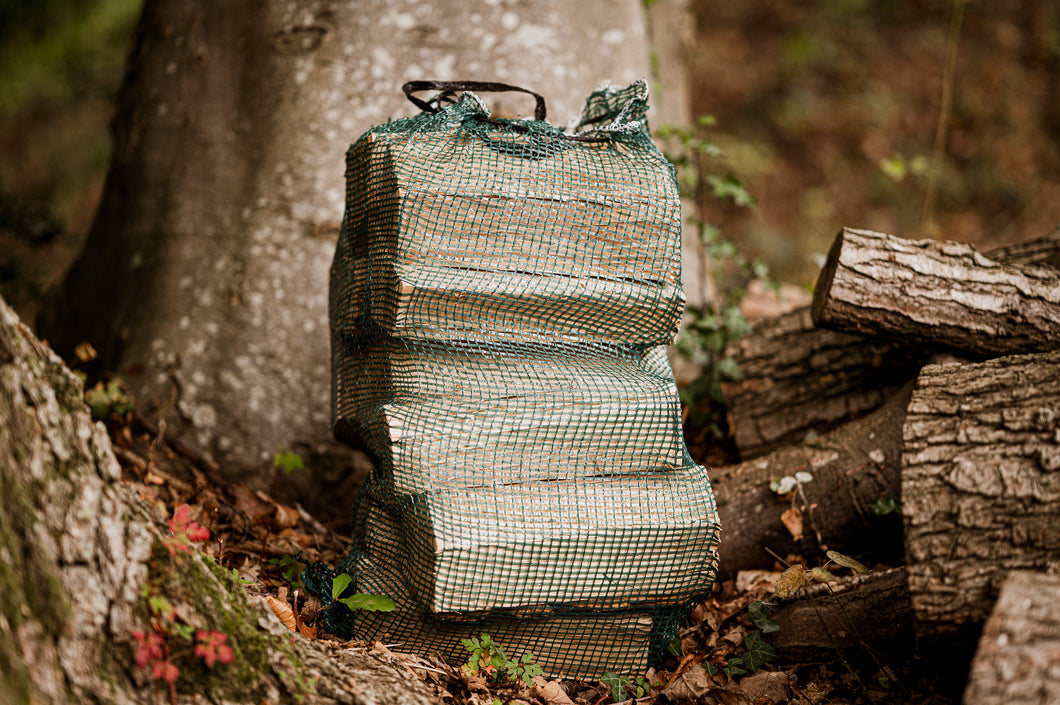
(792, 519)
(550, 691)
(283, 611)
(791, 581)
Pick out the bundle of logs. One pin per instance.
(924, 376)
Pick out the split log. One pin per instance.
(1018, 659)
(797, 379)
(870, 612)
(850, 466)
(980, 484)
(79, 549)
(942, 294)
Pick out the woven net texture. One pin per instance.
(501, 297)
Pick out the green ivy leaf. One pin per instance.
(617, 684)
(760, 616)
(758, 653)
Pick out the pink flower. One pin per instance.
(148, 648)
(181, 523)
(212, 648)
(166, 671)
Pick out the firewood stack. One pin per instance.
(925, 372)
(501, 302)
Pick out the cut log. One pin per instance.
(1042, 252)
(980, 484)
(79, 556)
(798, 379)
(869, 611)
(942, 294)
(850, 467)
(1018, 659)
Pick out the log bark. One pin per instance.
(942, 294)
(798, 379)
(79, 549)
(1018, 658)
(850, 467)
(870, 612)
(980, 484)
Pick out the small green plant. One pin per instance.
(107, 400)
(288, 461)
(291, 569)
(489, 659)
(359, 601)
(758, 654)
(622, 687)
(882, 507)
(719, 321)
(759, 614)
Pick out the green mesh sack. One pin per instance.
(501, 297)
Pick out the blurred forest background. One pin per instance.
(826, 111)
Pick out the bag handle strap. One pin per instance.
(449, 89)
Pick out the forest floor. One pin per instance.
(268, 542)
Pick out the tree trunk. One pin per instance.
(850, 467)
(869, 612)
(1018, 659)
(980, 484)
(943, 294)
(79, 551)
(204, 280)
(798, 378)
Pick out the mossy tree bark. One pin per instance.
(78, 549)
(980, 485)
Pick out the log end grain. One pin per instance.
(821, 290)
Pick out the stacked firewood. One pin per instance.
(927, 374)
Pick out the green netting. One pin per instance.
(501, 296)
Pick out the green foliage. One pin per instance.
(714, 326)
(882, 507)
(759, 614)
(359, 601)
(622, 687)
(291, 569)
(104, 401)
(758, 654)
(488, 658)
(288, 461)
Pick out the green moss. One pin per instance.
(221, 605)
